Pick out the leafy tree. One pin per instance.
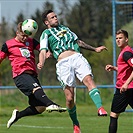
(20, 18)
(48, 70)
(37, 16)
(3, 30)
(91, 20)
(5, 34)
(106, 57)
(64, 7)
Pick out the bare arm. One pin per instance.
(49, 54)
(82, 44)
(111, 68)
(125, 85)
(42, 58)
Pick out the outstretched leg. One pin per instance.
(94, 94)
(16, 115)
(40, 95)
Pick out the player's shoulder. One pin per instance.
(45, 32)
(10, 41)
(7, 45)
(128, 50)
(128, 53)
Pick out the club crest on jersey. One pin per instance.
(27, 43)
(61, 33)
(25, 52)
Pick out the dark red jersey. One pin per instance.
(21, 55)
(125, 67)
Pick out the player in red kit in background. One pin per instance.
(124, 85)
(20, 52)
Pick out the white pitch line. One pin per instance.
(29, 126)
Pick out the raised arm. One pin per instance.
(42, 58)
(82, 44)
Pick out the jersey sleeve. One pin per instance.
(75, 36)
(3, 52)
(128, 57)
(44, 41)
(36, 44)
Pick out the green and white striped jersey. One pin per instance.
(58, 39)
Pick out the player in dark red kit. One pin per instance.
(20, 52)
(124, 85)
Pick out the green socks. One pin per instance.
(95, 96)
(73, 115)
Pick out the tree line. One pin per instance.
(91, 20)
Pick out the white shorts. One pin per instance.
(69, 67)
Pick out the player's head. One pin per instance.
(121, 38)
(49, 18)
(20, 36)
(125, 33)
(19, 27)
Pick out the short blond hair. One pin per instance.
(19, 27)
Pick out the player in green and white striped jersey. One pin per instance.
(58, 40)
(64, 45)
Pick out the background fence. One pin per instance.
(59, 87)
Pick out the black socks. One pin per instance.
(27, 112)
(41, 96)
(113, 125)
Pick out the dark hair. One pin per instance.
(125, 33)
(44, 15)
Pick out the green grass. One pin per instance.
(60, 122)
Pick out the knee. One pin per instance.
(40, 109)
(70, 99)
(114, 115)
(89, 82)
(35, 89)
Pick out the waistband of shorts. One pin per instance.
(30, 72)
(71, 56)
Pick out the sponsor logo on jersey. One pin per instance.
(25, 52)
(61, 33)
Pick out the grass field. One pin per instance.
(60, 122)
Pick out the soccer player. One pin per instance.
(64, 45)
(124, 84)
(20, 52)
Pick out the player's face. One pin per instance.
(21, 37)
(121, 40)
(52, 20)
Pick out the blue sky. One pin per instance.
(11, 8)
